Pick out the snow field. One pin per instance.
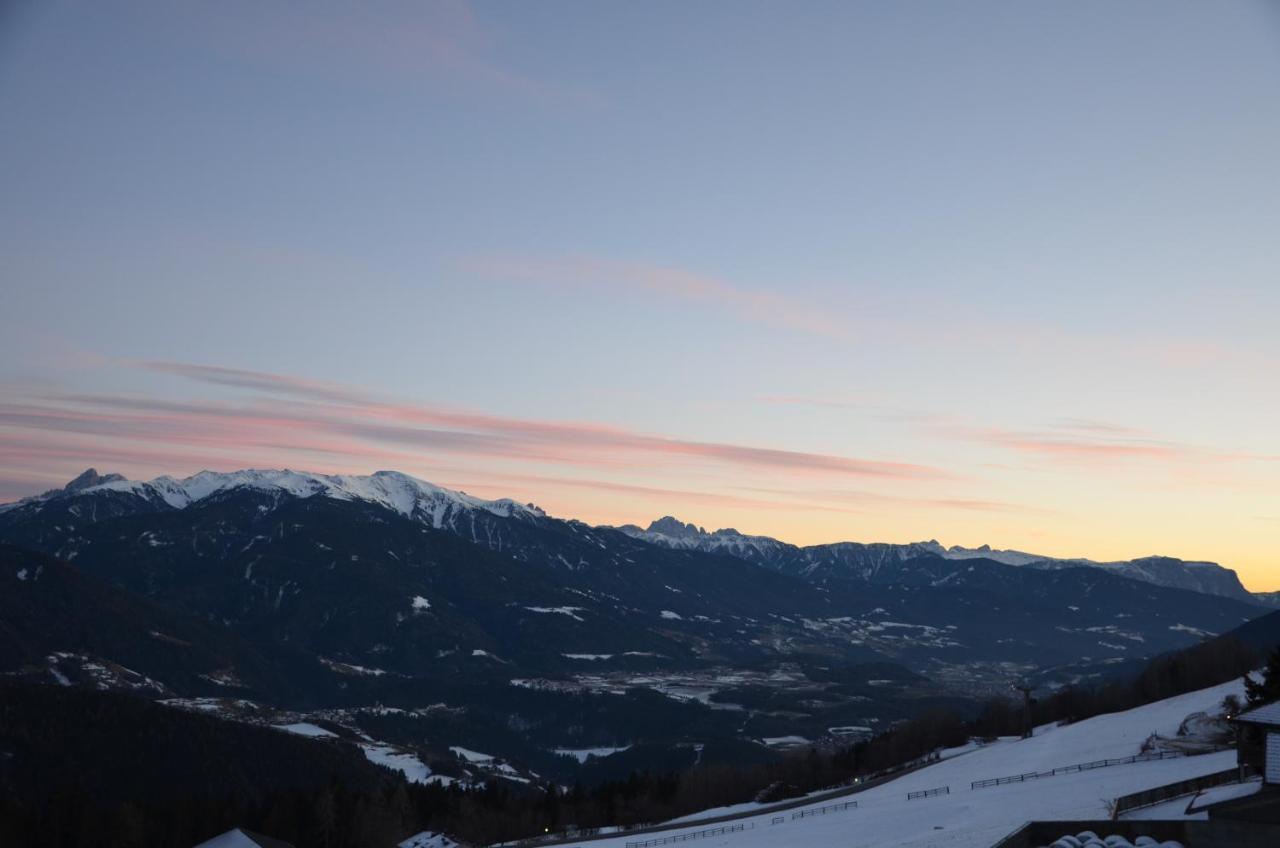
(979, 818)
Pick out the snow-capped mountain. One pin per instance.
(672, 533)
(92, 498)
(407, 495)
(1009, 557)
(1209, 578)
(869, 559)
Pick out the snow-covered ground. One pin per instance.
(978, 818)
(414, 770)
(471, 756)
(304, 728)
(581, 754)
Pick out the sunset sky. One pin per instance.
(988, 272)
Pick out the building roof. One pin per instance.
(241, 838)
(429, 839)
(1265, 714)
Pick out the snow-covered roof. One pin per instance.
(1265, 714)
(240, 838)
(429, 839)
(1221, 794)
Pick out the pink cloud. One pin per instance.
(1087, 449)
(509, 436)
(813, 400)
(756, 306)
(276, 384)
(324, 424)
(1092, 443)
(1105, 428)
(873, 499)
(441, 43)
(669, 497)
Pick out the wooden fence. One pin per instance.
(1036, 775)
(695, 834)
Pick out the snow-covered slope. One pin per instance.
(977, 818)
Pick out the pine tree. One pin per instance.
(324, 819)
(1268, 689)
(550, 807)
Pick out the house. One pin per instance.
(1258, 741)
(241, 838)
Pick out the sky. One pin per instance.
(991, 272)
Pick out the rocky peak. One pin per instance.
(90, 478)
(674, 527)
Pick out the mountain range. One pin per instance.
(526, 633)
(1206, 577)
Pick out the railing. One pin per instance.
(1120, 761)
(822, 811)
(734, 828)
(929, 793)
(1159, 794)
(865, 781)
(696, 834)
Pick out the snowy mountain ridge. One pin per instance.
(93, 497)
(672, 533)
(393, 490)
(1198, 576)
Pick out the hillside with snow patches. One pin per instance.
(978, 818)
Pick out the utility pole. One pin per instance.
(1026, 690)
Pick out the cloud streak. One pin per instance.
(258, 381)
(671, 282)
(871, 500)
(427, 426)
(324, 423)
(441, 43)
(1091, 443)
